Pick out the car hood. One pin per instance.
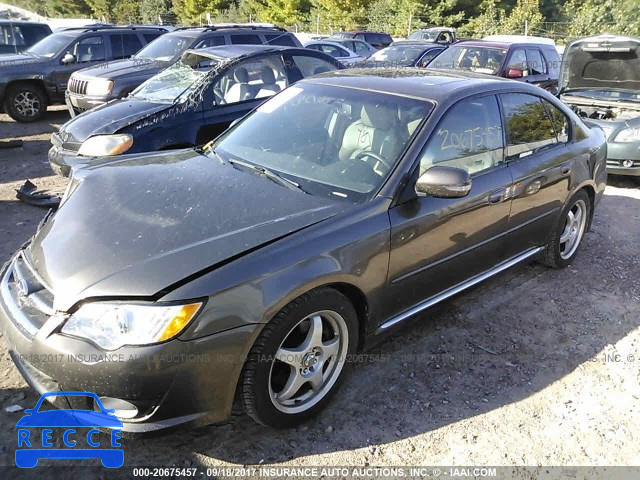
(602, 62)
(11, 61)
(108, 118)
(130, 67)
(135, 227)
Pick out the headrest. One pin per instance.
(267, 75)
(378, 116)
(241, 75)
(321, 69)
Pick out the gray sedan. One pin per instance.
(177, 284)
(341, 49)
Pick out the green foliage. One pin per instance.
(525, 11)
(603, 16)
(150, 10)
(488, 22)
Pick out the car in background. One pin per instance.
(313, 228)
(520, 39)
(38, 77)
(336, 50)
(534, 63)
(18, 35)
(600, 81)
(185, 105)
(404, 53)
(359, 47)
(98, 85)
(442, 35)
(375, 39)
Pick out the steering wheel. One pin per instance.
(375, 156)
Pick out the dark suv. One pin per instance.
(376, 39)
(118, 79)
(537, 63)
(17, 36)
(38, 77)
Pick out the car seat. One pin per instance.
(240, 90)
(375, 131)
(269, 85)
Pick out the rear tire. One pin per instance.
(566, 237)
(299, 360)
(25, 102)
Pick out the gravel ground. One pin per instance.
(533, 367)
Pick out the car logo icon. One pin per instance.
(68, 425)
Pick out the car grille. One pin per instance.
(618, 163)
(29, 300)
(77, 85)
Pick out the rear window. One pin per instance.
(282, 39)
(245, 39)
(150, 37)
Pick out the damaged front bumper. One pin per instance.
(153, 387)
(63, 161)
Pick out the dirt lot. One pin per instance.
(534, 367)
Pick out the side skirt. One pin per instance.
(457, 289)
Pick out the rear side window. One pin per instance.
(529, 127)
(559, 120)
(89, 49)
(312, 66)
(335, 52)
(123, 45)
(282, 39)
(212, 42)
(535, 62)
(245, 39)
(361, 48)
(150, 37)
(469, 137)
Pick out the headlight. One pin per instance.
(628, 135)
(106, 145)
(111, 325)
(99, 86)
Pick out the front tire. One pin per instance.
(299, 359)
(25, 102)
(567, 236)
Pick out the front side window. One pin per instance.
(517, 60)
(242, 39)
(312, 66)
(528, 125)
(215, 41)
(470, 58)
(362, 48)
(469, 137)
(89, 49)
(250, 80)
(332, 141)
(283, 39)
(335, 52)
(535, 63)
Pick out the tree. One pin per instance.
(602, 16)
(526, 12)
(151, 10)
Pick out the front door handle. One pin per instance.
(496, 197)
(565, 169)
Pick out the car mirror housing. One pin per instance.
(515, 73)
(444, 182)
(68, 58)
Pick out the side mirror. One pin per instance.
(68, 58)
(444, 182)
(515, 73)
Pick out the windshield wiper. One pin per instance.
(271, 175)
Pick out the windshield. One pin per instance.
(423, 35)
(165, 47)
(332, 141)
(403, 55)
(470, 58)
(52, 45)
(171, 84)
(621, 95)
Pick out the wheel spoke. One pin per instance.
(290, 356)
(566, 234)
(292, 386)
(314, 335)
(316, 380)
(570, 217)
(578, 217)
(330, 348)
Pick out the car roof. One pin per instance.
(501, 44)
(233, 51)
(22, 22)
(335, 42)
(224, 28)
(424, 83)
(436, 29)
(419, 43)
(361, 31)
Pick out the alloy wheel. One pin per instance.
(27, 104)
(573, 231)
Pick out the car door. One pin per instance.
(537, 70)
(238, 90)
(540, 162)
(88, 51)
(437, 243)
(427, 56)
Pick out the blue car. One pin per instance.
(185, 105)
(69, 419)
